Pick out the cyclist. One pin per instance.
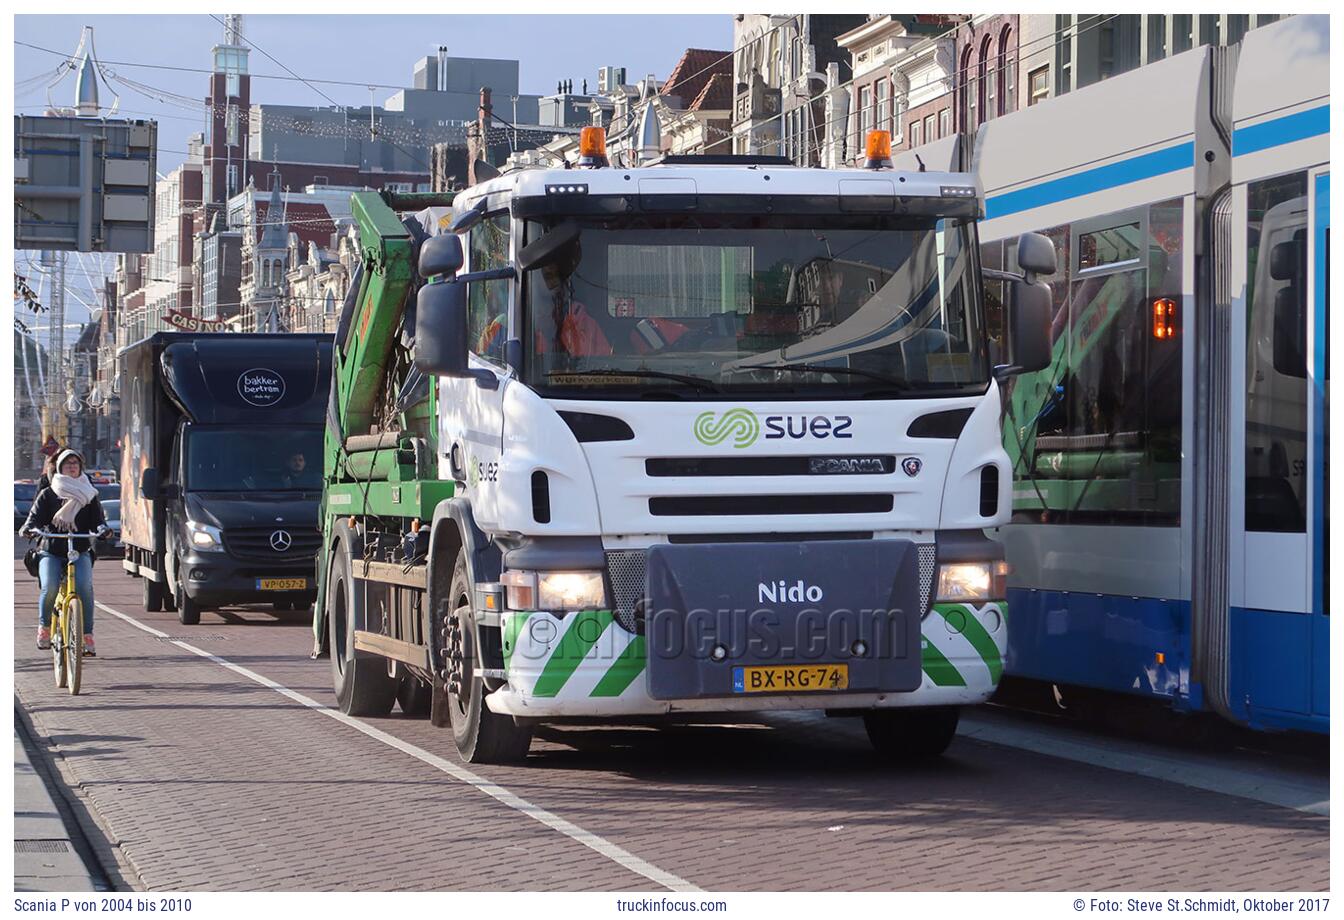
(70, 503)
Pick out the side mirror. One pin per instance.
(556, 245)
(441, 329)
(149, 484)
(1290, 331)
(1036, 255)
(440, 255)
(468, 219)
(1029, 327)
(1285, 260)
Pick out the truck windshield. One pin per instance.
(232, 460)
(706, 306)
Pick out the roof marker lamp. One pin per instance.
(593, 147)
(877, 150)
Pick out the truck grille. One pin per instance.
(256, 543)
(626, 570)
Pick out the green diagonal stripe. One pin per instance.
(511, 633)
(587, 628)
(976, 635)
(628, 665)
(939, 669)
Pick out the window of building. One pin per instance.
(915, 133)
(231, 126)
(232, 84)
(233, 180)
(865, 112)
(1063, 54)
(1183, 33)
(964, 82)
(1236, 28)
(1276, 363)
(883, 115)
(1038, 85)
(1157, 38)
(930, 128)
(1210, 29)
(1007, 68)
(944, 122)
(984, 83)
(488, 301)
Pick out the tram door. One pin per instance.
(1278, 579)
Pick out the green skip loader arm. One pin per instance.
(369, 469)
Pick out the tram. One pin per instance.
(1170, 536)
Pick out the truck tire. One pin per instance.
(362, 684)
(912, 734)
(413, 696)
(153, 591)
(481, 736)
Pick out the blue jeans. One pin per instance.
(51, 575)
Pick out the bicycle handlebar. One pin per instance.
(62, 534)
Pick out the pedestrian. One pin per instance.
(69, 503)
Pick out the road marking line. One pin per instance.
(606, 848)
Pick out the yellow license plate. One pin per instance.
(281, 584)
(791, 678)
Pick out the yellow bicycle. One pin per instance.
(67, 619)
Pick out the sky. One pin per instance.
(364, 50)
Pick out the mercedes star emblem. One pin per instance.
(281, 541)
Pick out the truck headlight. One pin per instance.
(554, 590)
(204, 537)
(972, 581)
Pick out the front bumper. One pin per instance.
(218, 580)
(587, 664)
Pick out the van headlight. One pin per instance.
(204, 537)
(554, 590)
(972, 581)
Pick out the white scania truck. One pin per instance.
(710, 435)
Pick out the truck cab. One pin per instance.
(723, 437)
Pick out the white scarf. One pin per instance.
(77, 492)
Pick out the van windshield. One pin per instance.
(265, 460)
(838, 305)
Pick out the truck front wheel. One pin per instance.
(912, 734)
(481, 736)
(363, 686)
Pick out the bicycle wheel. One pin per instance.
(57, 639)
(74, 643)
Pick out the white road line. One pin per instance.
(601, 845)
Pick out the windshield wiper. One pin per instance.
(702, 383)
(895, 382)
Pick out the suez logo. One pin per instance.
(743, 427)
(261, 386)
(782, 592)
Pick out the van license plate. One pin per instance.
(282, 584)
(791, 678)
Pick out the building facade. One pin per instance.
(903, 79)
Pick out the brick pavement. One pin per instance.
(213, 782)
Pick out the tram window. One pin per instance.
(1112, 246)
(1096, 438)
(1276, 385)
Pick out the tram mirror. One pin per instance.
(1290, 332)
(1029, 325)
(1036, 254)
